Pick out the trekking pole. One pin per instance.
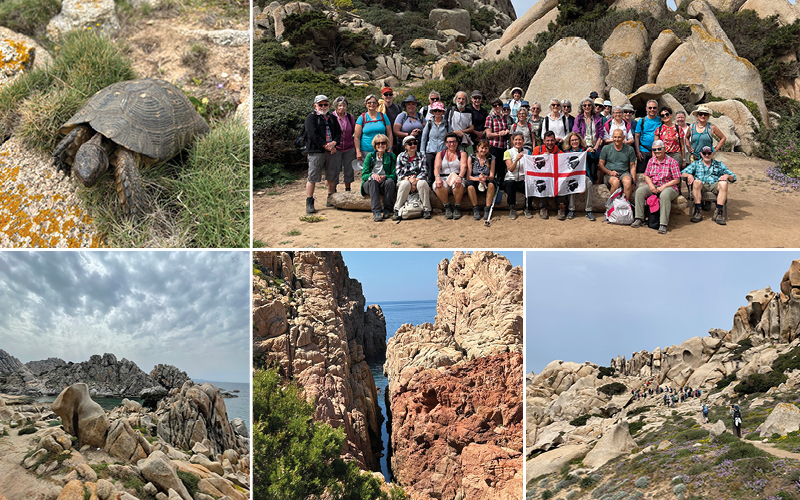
(499, 195)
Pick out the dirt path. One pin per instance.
(16, 483)
(772, 450)
(758, 216)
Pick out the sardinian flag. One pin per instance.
(555, 175)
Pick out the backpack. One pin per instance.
(429, 123)
(705, 410)
(547, 123)
(693, 130)
(607, 125)
(618, 209)
(412, 208)
(301, 142)
(364, 118)
(653, 218)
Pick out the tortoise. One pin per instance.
(129, 124)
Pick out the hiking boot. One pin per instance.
(347, 189)
(637, 223)
(396, 215)
(377, 216)
(310, 206)
(426, 214)
(476, 213)
(328, 202)
(387, 213)
(697, 216)
(486, 211)
(456, 211)
(571, 214)
(590, 216)
(662, 229)
(448, 211)
(512, 213)
(543, 213)
(718, 217)
(562, 214)
(528, 214)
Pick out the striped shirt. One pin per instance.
(496, 123)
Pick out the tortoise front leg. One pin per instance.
(129, 183)
(76, 137)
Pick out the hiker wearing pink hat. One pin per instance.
(433, 135)
(663, 176)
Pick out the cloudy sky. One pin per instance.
(592, 306)
(188, 309)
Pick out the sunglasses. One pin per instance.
(477, 98)
(665, 114)
(380, 143)
(323, 104)
(652, 107)
(587, 106)
(536, 109)
(627, 111)
(411, 143)
(708, 153)
(702, 114)
(657, 149)
(452, 142)
(388, 94)
(567, 107)
(433, 99)
(555, 105)
(438, 111)
(497, 105)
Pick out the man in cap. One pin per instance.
(478, 116)
(388, 106)
(322, 134)
(708, 175)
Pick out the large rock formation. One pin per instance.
(453, 386)
(623, 49)
(45, 365)
(197, 414)
(168, 376)
(105, 376)
(309, 319)
(81, 416)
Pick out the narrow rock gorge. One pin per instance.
(455, 386)
(310, 321)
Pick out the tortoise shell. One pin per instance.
(148, 116)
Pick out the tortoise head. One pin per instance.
(91, 161)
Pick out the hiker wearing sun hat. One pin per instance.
(322, 134)
(700, 133)
(709, 174)
(516, 102)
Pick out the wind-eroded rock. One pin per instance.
(616, 441)
(81, 416)
(458, 431)
(784, 418)
(168, 376)
(310, 321)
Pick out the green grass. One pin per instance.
(27, 430)
(54, 423)
(29, 17)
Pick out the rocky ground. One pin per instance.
(456, 427)
(583, 441)
(204, 50)
(72, 449)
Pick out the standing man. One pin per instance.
(618, 163)
(549, 146)
(736, 415)
(644, 135)
(708, 174)
(478, 116)
(322, 136)
(496, 130)
(461, 121)
(388, 106)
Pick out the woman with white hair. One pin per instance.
(368, 125)
(555, 121)
(566, 108)
(617, 122)
(663, 178)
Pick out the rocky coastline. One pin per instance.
(310, 320)
(105, 375)
(610, 419)
(455, 386)
(185, 449)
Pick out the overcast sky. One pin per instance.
(592, 306)
(188, 309)
(402, 275)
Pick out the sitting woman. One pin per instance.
(378, 178)
(480, 176)
(576, 145)
(515, 174)
(450, 169)
(663, 176)
(412, 175)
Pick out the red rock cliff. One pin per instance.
(309, 319)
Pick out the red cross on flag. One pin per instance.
(550, 175)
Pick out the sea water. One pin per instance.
(238, 407)
(396, 314)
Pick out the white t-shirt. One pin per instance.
(460, 121)
(557, 126)
(623, 127)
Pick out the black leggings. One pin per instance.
(512, 188)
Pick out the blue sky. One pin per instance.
(572, 313)
(398, 275)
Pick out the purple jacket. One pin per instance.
(580, 128)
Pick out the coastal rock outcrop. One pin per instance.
(310, 321)
(452, 436)
(81, 416)
(197, 414)
(168, 376)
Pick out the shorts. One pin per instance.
(343, 160)
(468, 183)
(607, 178)
(317, 162)
(446, 185)
(711, 188)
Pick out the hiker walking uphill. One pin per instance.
(737, 420)
(705, 414)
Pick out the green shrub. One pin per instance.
(639, 410)
(726, 381)
(481, 20)
(759, 382)
(190, 481)
(271, 174)
(588, 482)
(404, 26)
(134, 483)
(29, 17)
(546, 494)
(605, 371)
(726, 438)
(54, 423)
(635, 427)
(613, 389)
(27, 430)
(580, 421)
(691, 435)
(739, 450)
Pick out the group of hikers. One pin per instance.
(410, 150)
